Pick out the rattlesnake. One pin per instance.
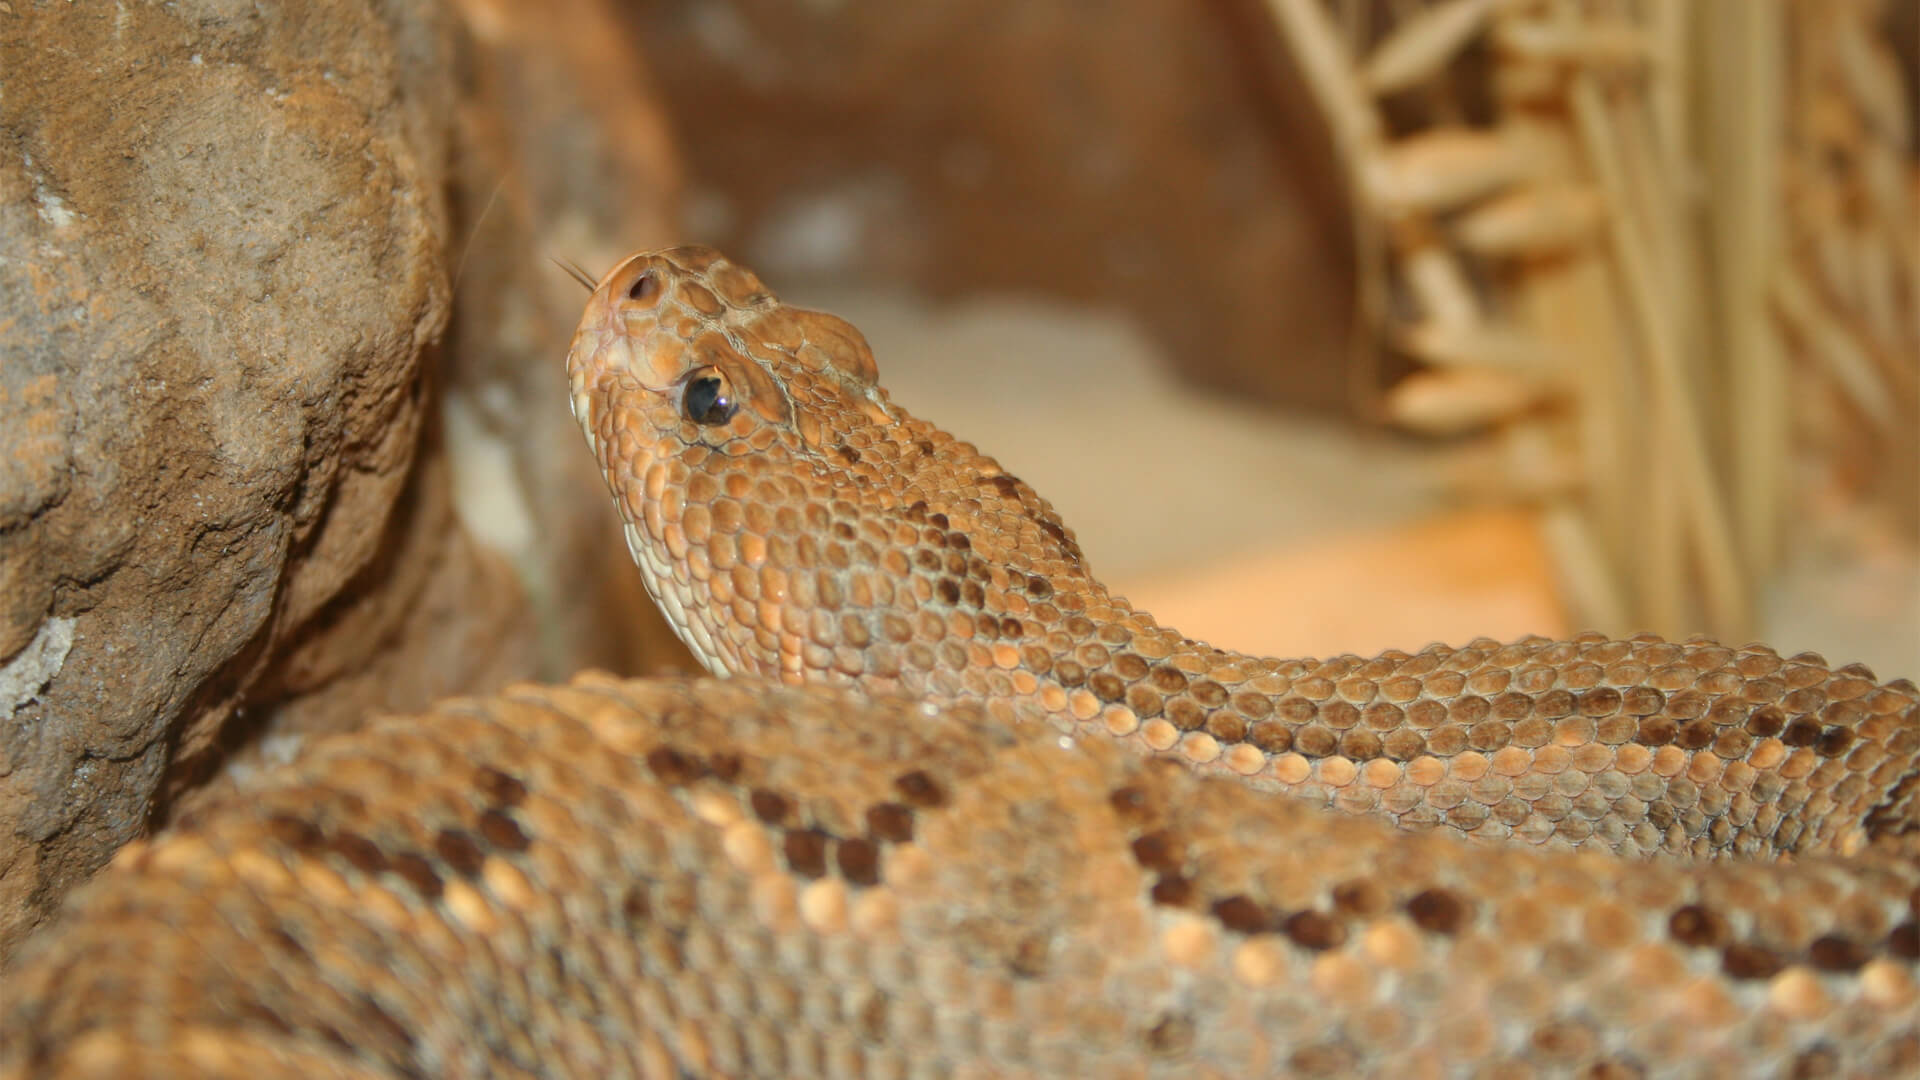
(959, 811)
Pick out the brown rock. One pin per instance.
(1158, 156)
(227, 238)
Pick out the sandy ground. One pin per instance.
(1284, 535)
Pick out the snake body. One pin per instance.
(958, 811)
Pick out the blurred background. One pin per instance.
(1330, 326)
(1335, 325)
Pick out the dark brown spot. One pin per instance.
(1107, 686)
(1297, 710)
(1802, 732)
(1360, 745)
(1437, 911)
(458, 849)
(1185, 713)
(645, 287)
(1271, 736)
(1314, 930)
(927, 559)
(847, 454)
(1225, 726)
(1743, 961)
(1242, 915)
(890, 823)
(415, 870)
(1130, 802)
(806, 851)
(1070, 673)
(363, 854)
(502, 831)
(1007, 486)
(1655, 731)
(635, 908)
(499, 788)
(1836, 953)
(1695, 735)
(725, 766)
(1038, 587)
(1172, 890)
(1158, 851)
(1143, 700)
(1833, 742)
(959, 541)
(920, 789)
(949, 590)
(1315, 741)
(673, 767)
(1168, 680)
(973, 594)
(859, 861)
(1766, 721)
(1697, 926)
(937, 520)
(769, 806)
(1011, 629)
(296, 833)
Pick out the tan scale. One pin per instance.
(999, 823)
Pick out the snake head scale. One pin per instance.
(790, 520)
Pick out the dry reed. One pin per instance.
(1678, 262)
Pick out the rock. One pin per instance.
(227, 498)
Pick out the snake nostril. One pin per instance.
(645, 287)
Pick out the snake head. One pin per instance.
(682, 350)
(702, 395)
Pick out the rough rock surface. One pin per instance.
(1156, 156)
(227, 505)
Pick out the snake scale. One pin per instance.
(961, 812)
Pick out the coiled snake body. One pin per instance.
(962, 812)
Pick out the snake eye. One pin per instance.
(707, 398)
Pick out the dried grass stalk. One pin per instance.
(1669, 208)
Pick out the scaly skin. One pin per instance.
(742, 878)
